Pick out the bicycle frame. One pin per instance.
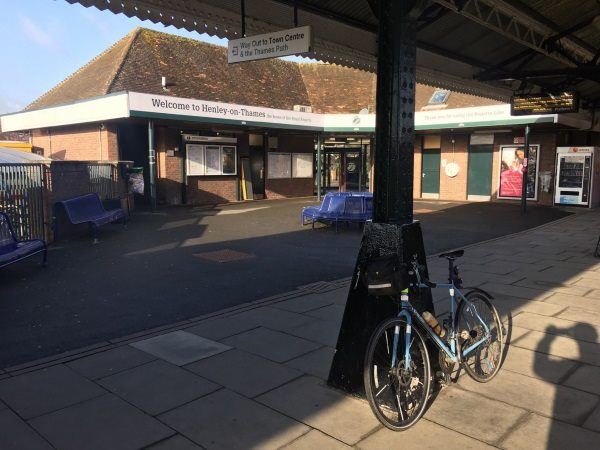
(408, 312)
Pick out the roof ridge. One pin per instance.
(134, 35)
(78, 71)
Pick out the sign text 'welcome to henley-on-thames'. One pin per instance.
(270, 45)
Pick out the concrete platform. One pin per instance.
(256, 379)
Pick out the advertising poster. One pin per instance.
(512, 166)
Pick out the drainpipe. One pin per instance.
(319, 149)
(152, 165)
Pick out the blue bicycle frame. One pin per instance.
(407, 311)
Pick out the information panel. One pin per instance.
(279, 165)
(524, 105)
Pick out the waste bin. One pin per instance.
(135, 180)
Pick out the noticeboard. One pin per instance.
(565, 102)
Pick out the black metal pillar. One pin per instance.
(393, 232)
(151, 165)
(525, 168)
(395, 131)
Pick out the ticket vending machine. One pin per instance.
(575, 167)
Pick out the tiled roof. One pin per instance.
(196, 69)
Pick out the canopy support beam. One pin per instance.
(394, 131)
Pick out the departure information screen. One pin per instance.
(565, 102)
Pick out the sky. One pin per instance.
(44, 41)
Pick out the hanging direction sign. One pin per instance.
(270, 45)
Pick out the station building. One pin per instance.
(223, 133)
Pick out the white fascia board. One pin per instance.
(189, 109)
(108, 107)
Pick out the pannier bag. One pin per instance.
(383, 275)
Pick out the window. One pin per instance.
(195, 159)
(228, 160)
(211, 160)
(302, 165)
(290, 165)
(439, 97)
(279, 165)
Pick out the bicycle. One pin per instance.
(397, 370)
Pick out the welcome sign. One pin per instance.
(149, 105)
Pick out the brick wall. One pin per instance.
(85, 142)
(169, 168)
(212, 190)
(454, 188)
(289, 187)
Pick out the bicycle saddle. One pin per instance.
(453, 255)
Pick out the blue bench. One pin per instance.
(89, 209)
(339, 207)
(13, 250)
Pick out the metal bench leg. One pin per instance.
(597, 252)
(125, 222)
(45, 256)
(94, 233)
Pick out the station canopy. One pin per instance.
(489, 48)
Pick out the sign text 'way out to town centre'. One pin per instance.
(270, 45)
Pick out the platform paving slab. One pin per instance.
(176, 442)
(226, 420)
(109, 362)
(324, 332)
(538, 365)
(514, 305)
(473, 415)
(545, 398)
(273, 318)
(333, 313)
(15, 434)
(270, 344)
(243, 372)
(557, 286)
(158, 386)
(36, 393)
(316, 363)
(585, 378)
(220, 328)
(314, 439)
(564, 347)
(310, 401)
(425, 435)
(575, 314)
(586, 303)
(305, 302)
(542, 433)
(180, 347)
(593, 421)
(103, 423)
(515, 291)
(580, 331)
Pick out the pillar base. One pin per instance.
(363, 311)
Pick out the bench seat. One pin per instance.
(89, 209)
(12, 249)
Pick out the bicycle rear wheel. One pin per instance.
(483, 363)
(397, 395)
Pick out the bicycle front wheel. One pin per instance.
(473, 316)
(397, 394)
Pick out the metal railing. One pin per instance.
(103, 179)
(22, 188)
